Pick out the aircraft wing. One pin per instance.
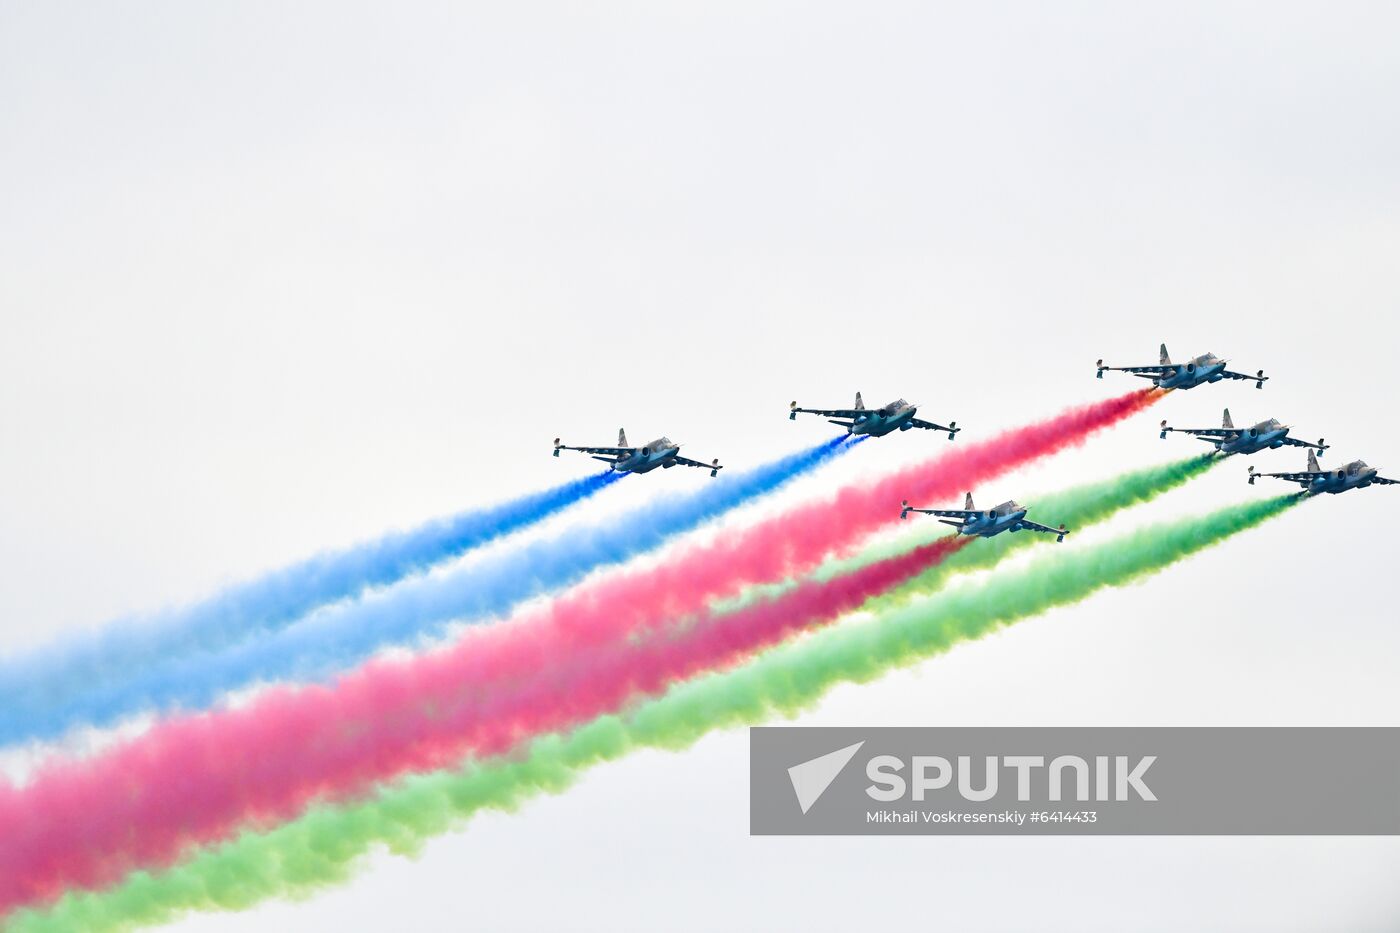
(1147, 372)
(1036, 526)
(1295, 442)
(1207, 433)
(1386, 482)
(833, 412)
(944, 513)
(930, 426)
(1305, 478)
(714, 467)
(609, 451)
(1258, 379)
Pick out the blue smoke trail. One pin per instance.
(274, 600)
(339, 636)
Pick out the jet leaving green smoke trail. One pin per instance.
(1077, 507)
(322, 848)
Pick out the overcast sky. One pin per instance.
(279, 277)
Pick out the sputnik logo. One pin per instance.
(810, 779)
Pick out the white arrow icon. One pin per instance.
(811, 778)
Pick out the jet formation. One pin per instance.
(900, 415)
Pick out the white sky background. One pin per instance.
(278, 279)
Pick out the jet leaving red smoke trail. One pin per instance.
(195, 780)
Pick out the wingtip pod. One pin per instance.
(1321, 446)
(1165, 429)
(1260, 379)
(953, 430)
(904, 508)
(1252, 477)
(1099, 366)
(792, 411)
(715, 467)
(1059, 539)
(557, 444)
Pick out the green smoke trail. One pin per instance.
(1077, 507)
(323, 847)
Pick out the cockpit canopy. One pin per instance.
(661, 443)
(896, 405)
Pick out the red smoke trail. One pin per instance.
(215, 772)
(193, 780)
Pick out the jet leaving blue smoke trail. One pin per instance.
(339, 636)
(55, 674)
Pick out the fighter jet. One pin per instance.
(1201, 370)
(1229, 439)
(662, 452)
(1315, 480)
(1009, 516)
(876, 422)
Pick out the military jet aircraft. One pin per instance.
(662, 452)
(1009, 516)
(1169, 375)
(876, 422)
(1229, 439)
(1315, 480)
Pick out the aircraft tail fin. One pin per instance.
(1226, 422)
(622, 438)
(1313, 466)
(1166, 360)
(860, 404)
(967, 504)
